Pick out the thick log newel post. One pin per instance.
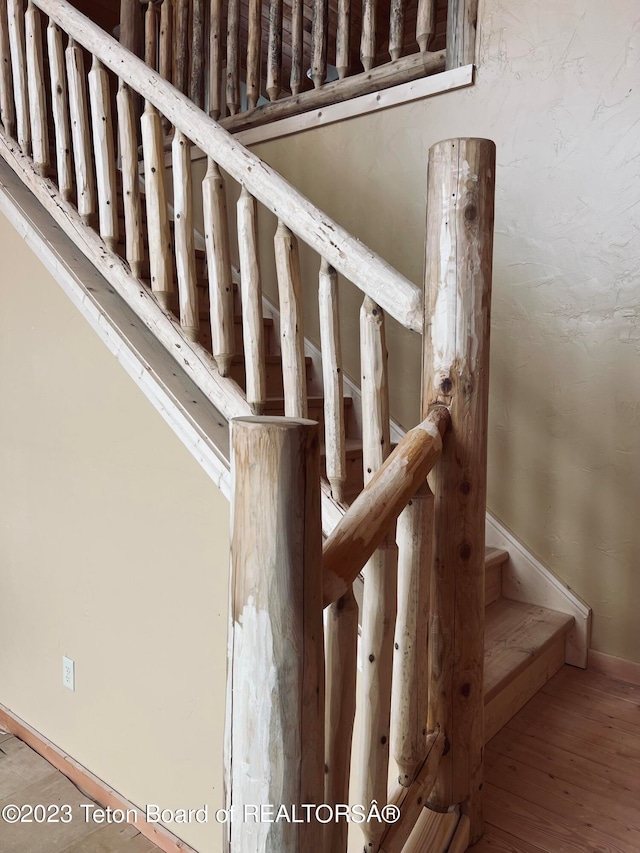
(276, 645)
(460, 200)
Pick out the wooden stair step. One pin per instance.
(524, 648)
(275, 406)
(273, 372)
(494, 560)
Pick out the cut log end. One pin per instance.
(337, 489)
(162, 297)
(223, 362)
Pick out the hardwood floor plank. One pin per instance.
(552, 834)
(547, 712)
(602, 683)
(496, 840)
(574, 805)
(567, 766)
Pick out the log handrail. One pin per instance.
(348, 255)
(366, 523)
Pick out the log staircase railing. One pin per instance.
(420, 700)
(72, 136)
(249, 62)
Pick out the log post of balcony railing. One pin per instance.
(462, 22)
(459, 245)
(276, 701)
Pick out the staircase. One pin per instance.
(214, 326)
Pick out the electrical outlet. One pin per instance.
(68, 673)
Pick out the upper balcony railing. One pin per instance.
(250, 62)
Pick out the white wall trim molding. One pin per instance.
(405, 93)
(525, 578)
(613, 667)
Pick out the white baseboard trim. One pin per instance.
(619, 668)
(525, 578)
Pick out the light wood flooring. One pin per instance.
(563, 776)
(26, 778)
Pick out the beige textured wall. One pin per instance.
(113, 551)
(557, 89)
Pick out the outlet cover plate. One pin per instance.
(68, 673)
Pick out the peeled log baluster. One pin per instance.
(151, 35)
(297, 46)
(36, 84)
(134, 249)
(165, 47)
(368, 37)
(197, 54)
(79, 112)
(181, 45)
(274, 54)
(379, 597)
(459, 249)
(334, 431)
(254, 71)
(104, 153)
(396, 29)
(60, 109)
(185, 249)
(341, 656)
(159, 235)
(291, 322)
(319, 42)
(215, 58)
(343, 38)
(233, 56)
(15, 19)
(216, 234)
(425, 23)
(7, 111)
(251, 296)
(410, 674)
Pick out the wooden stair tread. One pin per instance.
(515, 635)
(495, 557)
(272, 403)
(494, 560)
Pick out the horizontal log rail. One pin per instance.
(367, 522)
(359, 264)
(404, 70)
